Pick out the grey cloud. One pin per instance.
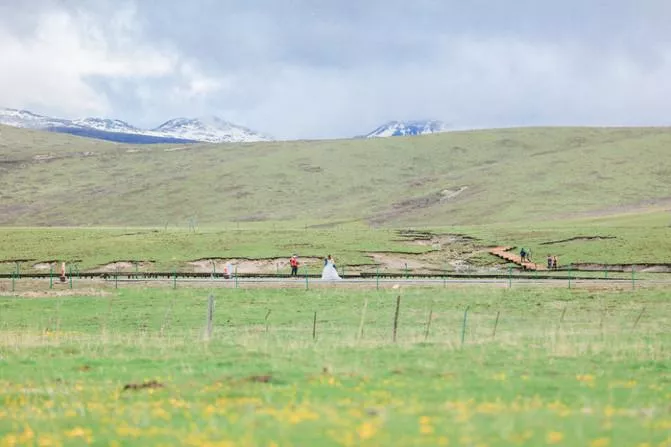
(301, 68)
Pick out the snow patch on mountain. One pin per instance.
(407, 128)
(208, 129)
(182, 130)
(107, 125)
(29, 120)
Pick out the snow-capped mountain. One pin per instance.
(405, 128)
(179, 130)
(107, 125)
(29, 120)
(208, 129)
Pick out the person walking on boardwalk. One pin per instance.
(293, 262)
(523, 255)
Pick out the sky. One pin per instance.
(339, 68)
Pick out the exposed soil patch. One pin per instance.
(124, 266)
(642, 268)
(448, 194)
(61, 293)
(643, 206)
(579, 238)
(13, 261)
(43, 157)
(390, 261)
(152, 384)
(45, 265)
(270, 265)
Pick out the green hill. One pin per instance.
(456, 178)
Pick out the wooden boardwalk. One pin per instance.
(504, 253)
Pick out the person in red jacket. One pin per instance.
(293, 262)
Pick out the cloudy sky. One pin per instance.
(338, 68)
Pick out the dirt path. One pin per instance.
(503, 253)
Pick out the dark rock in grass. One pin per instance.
(152, 384)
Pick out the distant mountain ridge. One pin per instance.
(184, 130)
(178, 130)
(408, 128)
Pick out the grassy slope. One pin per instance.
(171, 249)
(512, 175)
(635, 237)
(584, 381)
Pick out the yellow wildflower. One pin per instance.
(366, 430)
(554, 437)
(587, 379)
(499, 376)
(46, 441)
(600, 442)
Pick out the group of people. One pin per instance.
(552, 262)
(525, 256)
(329, 271)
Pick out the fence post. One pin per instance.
(406, 270)
(638, 318)
(266, 319)
(569, 275)
(463, 326)
(51, 276)
(174, 278)
(116, 278)
(496, 323)
(428, 323)
(314, 327)
(210, 317)
(362, 321)
(510, 277)
(70, 275)
(13, 280)
(377, 278)
(236, 276)
(633, 277)
(398, 305)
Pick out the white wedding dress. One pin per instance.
(329, 272)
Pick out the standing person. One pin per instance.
(549, 262)
(293, 262)
(554, 263)
(329, 272)
(523, 255)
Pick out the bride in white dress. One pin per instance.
(329, 272)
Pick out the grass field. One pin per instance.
(175, 248)
(611, 240)
(548, 365)
(561, 367)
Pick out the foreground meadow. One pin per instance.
(529, 367)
